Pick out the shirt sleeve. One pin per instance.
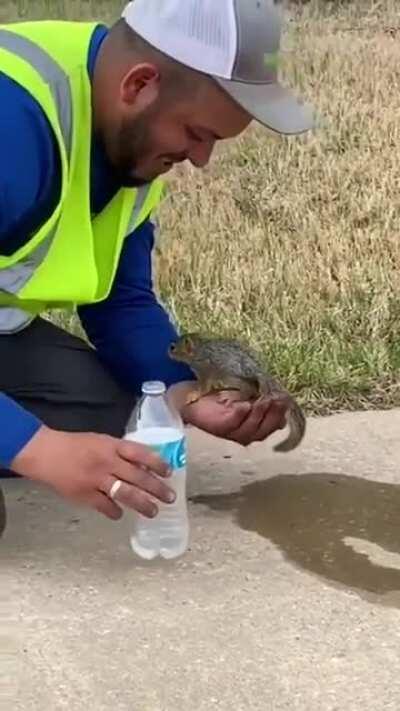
(29, 167)
(17, 427)
(29, 190)
(131, 330)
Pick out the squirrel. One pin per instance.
(225, 364)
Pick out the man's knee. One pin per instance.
(60, 379)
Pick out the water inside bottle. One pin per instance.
(167, 534)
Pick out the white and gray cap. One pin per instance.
(236, 42)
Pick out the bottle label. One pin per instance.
(174, 453)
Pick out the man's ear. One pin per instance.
(141, 81)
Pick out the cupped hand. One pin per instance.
(228, 416)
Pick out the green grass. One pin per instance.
(294, 244)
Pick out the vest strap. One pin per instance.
(51, 73)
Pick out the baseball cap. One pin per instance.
(236, 42)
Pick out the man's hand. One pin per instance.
(84, 467)
(228, 416)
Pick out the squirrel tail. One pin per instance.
(297, 427)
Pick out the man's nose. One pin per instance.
(200, 154)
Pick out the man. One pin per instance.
(90, 119)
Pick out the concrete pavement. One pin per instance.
(288, 599)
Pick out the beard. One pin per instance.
(133, 146)
(135, 150)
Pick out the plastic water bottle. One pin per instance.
(157, 426)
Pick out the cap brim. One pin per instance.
(272, 105)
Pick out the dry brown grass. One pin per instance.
(295, 243)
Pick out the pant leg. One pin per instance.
(60, 379)
(3, 515)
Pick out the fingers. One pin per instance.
(231, 417)
(137, 500)
(247, 430)
(104, 505)
(274, 419)
(266, 417)
(138, 485)
(134, 498)
(140, 454)
(140, 478)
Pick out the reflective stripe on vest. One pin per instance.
(51, 73)
(14, 278)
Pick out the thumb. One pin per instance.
(230, 396)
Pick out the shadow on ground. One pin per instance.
(342, 528)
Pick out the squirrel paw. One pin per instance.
(193, 397)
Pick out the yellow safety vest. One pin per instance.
(72, 259)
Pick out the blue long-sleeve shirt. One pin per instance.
(130, 330)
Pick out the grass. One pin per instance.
(294, 243)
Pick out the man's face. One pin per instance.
(156, 132)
